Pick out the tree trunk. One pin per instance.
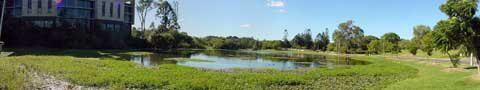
(471, 59)
(476, 45)
(478, 62)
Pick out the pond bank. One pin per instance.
(111, 73)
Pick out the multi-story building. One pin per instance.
(113, 15)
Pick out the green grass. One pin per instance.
(433, 78)
(189, 59)
(108, 72)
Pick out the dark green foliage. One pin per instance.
(321, 41)
(303, 40)
(172, 39)
(366, 40)
(286, 43)
(458, 31)
(412, 48)
(231, 42)
(274, 44)
(391, 37)
(390, 42)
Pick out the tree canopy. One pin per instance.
(348, 35)
(456, 32)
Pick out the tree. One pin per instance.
(412, 47)
(143, 7)
(427, 44)
(445, 39)
(285, 42)
(374, 47)
(420, 30)
(321, 41)
(416, 43)
(152, 25)
(348, 35)
(458, 31)
(390, 42)
(303, 40)
(366, 41)
(391, 37)
(308, 39)
(168, 16)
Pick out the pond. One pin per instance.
(225, 59)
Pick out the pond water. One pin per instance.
(223, 59)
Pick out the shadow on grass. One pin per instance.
(102, 54)
(471, 67)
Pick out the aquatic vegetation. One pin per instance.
(112, 73)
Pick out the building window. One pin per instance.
(111, 9)
(29, 4)
(39, 3)
(118, 11)
(50, 4)
(18, 3)
(103, 8)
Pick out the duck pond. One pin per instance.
(226, 59)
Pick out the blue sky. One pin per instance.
(266, 19)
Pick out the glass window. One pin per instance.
(39, 3)
(70, 3)
(18, 3)
(103, 8)
(111, 9)
(118, 11)
(50, 4)
(29, 4)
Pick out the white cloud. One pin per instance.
(282, 11)
(246, 26)
(275, 3)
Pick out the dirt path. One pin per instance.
(46, 82)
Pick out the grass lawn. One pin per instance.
(429, 77)
(75, 66)
(436, 78)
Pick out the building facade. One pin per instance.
(91, 15)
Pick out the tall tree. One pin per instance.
(143, 8)
(308, 39)
(321, 41)
(286, 43)
(348, 35)
(419, 32)
(303, 40)
(168, 16)
(458, 31)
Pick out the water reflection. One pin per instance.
(221, 59)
